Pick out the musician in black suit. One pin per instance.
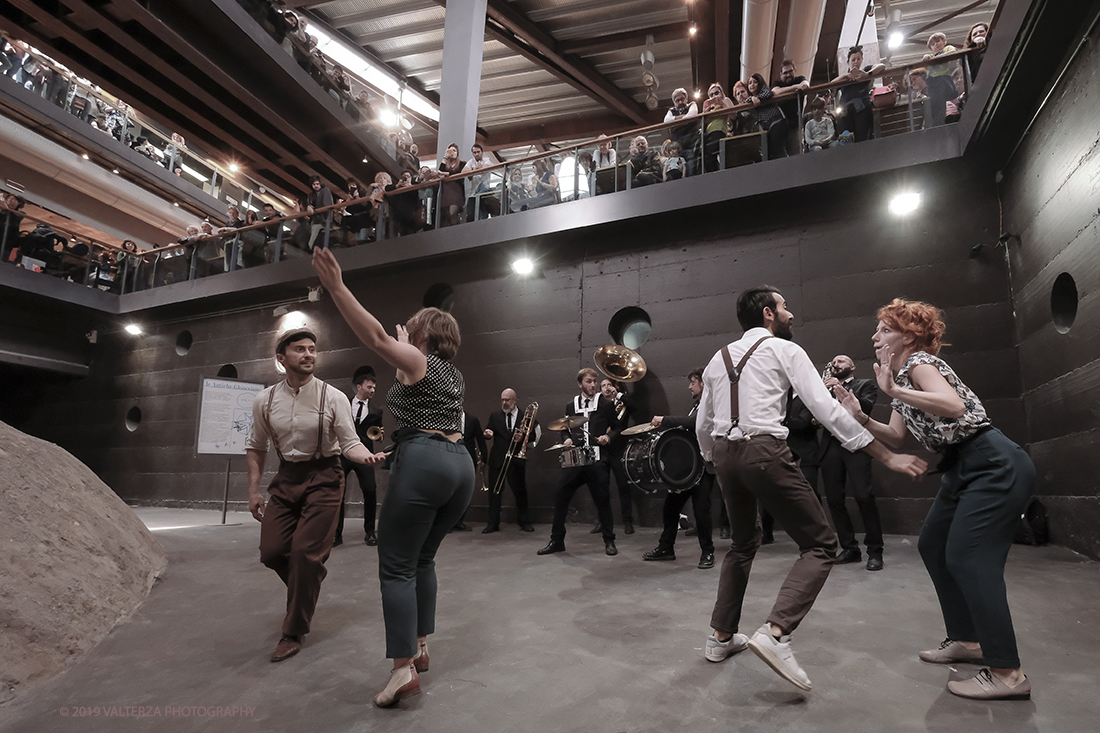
(610, 389)
(503, 429)
(700, 495)
(365, 418)
(842, 470)
(600, 413)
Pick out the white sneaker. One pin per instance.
(716, 650)
(778, 656)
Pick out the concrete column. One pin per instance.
(463, 43)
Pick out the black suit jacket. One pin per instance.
(866, 391)
(802, 433)
(599, 422)
(474, 438)
(502, 437)
(673, 421)
(618, 441)
(371, 418)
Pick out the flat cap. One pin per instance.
(285, 336)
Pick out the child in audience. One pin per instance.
(820, 133)
(674, 162)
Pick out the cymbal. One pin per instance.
(567, 423)
(559, 446)
(639, 429)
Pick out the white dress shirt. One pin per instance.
(294, 417)
(775, 367)
(355, 402)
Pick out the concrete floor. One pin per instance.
(571, 642)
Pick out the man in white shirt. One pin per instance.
(310, 426)
(741, 430)
(479, 184)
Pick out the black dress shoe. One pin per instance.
(706, 560)
(527, 528)
(461, 527)
(609, 548)
(598, 529)
(490, 528)
(659, 553)
(724, 533)
(551, 548)
(628, 527)
(874, 562)
(691, 532)
(845, 557)
(372, 539)
(336, 542)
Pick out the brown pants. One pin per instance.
(297, 532)
(762, 472)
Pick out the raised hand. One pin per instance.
(403, 335)
(884, 373)
(328, 269)
(847, 400)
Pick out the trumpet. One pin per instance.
(376, 433)
(526, 425)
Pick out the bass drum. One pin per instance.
(666, 460)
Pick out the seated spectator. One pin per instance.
(819, 133)
(855, 98)
(717, 125)
(768, 116)
(146, 148)
(545, 185)
(674, 165)
(686, 135)
(518, 193)
(118, 123)
(645, 163)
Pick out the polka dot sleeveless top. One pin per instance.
(433, 403)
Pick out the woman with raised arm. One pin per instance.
(987, 480)
(431, 475)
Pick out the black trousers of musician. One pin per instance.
(431, 484)
(297, 531)
(966, 538)
(596, 476)
(517, 482)
(615, 462)
(843, 470)
(368, 486)
(761, 472)
(700, 504)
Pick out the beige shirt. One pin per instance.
(294, 419)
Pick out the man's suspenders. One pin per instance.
(734, 374)
(320, 422)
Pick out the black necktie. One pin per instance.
(359, 414)
(586, 401)
(509, 422)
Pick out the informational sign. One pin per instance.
(225, 416)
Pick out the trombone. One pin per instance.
(526, 425)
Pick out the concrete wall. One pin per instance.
(833, 249)
(1051, 203)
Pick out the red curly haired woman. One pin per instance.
(987, 481)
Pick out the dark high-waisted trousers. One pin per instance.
(965, 541)
(431, 483)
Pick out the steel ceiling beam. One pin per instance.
(622, 41)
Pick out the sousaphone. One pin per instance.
(620, 363)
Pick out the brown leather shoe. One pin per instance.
(421, 660)
(288, 646)
(987, 686)
(950, 652)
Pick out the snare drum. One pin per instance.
(666, 460)
(578, 455)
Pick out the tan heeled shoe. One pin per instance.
(404, 682)
(421, 660)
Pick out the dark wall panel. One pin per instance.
(1050, 195)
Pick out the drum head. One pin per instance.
(678, 461)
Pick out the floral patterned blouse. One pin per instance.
(932, 431)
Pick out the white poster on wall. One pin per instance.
(225, 416)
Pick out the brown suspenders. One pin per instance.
(320, 422)
(734, 374)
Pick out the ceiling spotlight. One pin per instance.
(523, 266)
(698, 94)
(894, 40)
(904, 204)
(692, 30)
(133, 329)
(839, 111)
(388, 117)
(651, 101)
(650, 79)
(366, 159)
(233, 167)
(84, 156)
(115, 170)
(175, 203)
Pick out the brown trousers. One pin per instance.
(297, 532)
(761, 472)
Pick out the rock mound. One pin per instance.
(74, 559)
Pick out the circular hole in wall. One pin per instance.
(1063, 302)
(441, 296)
(630, 327)
(133, 418)
(228, 371)
(183, 342)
